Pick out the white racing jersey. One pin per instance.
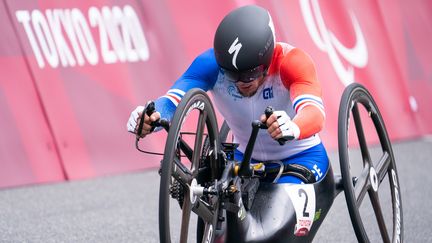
(291, 85)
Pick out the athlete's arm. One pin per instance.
(298, 74)
(202, 73)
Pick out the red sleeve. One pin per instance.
(299, 76)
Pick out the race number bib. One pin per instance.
(303, 199)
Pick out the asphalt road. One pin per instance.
(124, 208)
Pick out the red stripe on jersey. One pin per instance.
(300, 104)
(174, 97)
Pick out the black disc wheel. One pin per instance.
(373, 173)
(181, 202)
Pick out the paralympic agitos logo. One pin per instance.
(64, 37)
(326, 41)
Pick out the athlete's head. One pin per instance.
(244, 43)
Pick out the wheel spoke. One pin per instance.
(362, 185)
(198, 142)
(382, 166)
(186, 211)
(187, 150)
(181, 172)
(360, 135)
(379, 215)
(203, 210)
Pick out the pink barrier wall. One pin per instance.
(28, 152)
(72, 71)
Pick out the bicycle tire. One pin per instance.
(370, 179)
(195, 99)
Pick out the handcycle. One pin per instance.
(228, 201)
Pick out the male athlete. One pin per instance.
(246, 71)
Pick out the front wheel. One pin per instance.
(372, 172)
(182, 166)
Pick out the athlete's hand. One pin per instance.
(280, 125)
(134, 120)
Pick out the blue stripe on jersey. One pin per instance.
(307, 98)
(179, 94)
(202, 73)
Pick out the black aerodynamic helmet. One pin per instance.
(244, 43)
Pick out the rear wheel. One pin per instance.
(181, 168)
(373, 172)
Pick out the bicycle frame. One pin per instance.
(274, 203)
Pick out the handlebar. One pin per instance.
(149, 110)
(245, 169)
(268, 112)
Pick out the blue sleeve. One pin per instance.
(202, 73)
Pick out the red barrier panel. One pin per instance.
(90, 76)
(28, 151)
(83, 66)
(409, 27)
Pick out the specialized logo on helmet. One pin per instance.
(235, 48)
(327, 42)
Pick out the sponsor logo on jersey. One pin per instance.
(232, 90)
(268, 93)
